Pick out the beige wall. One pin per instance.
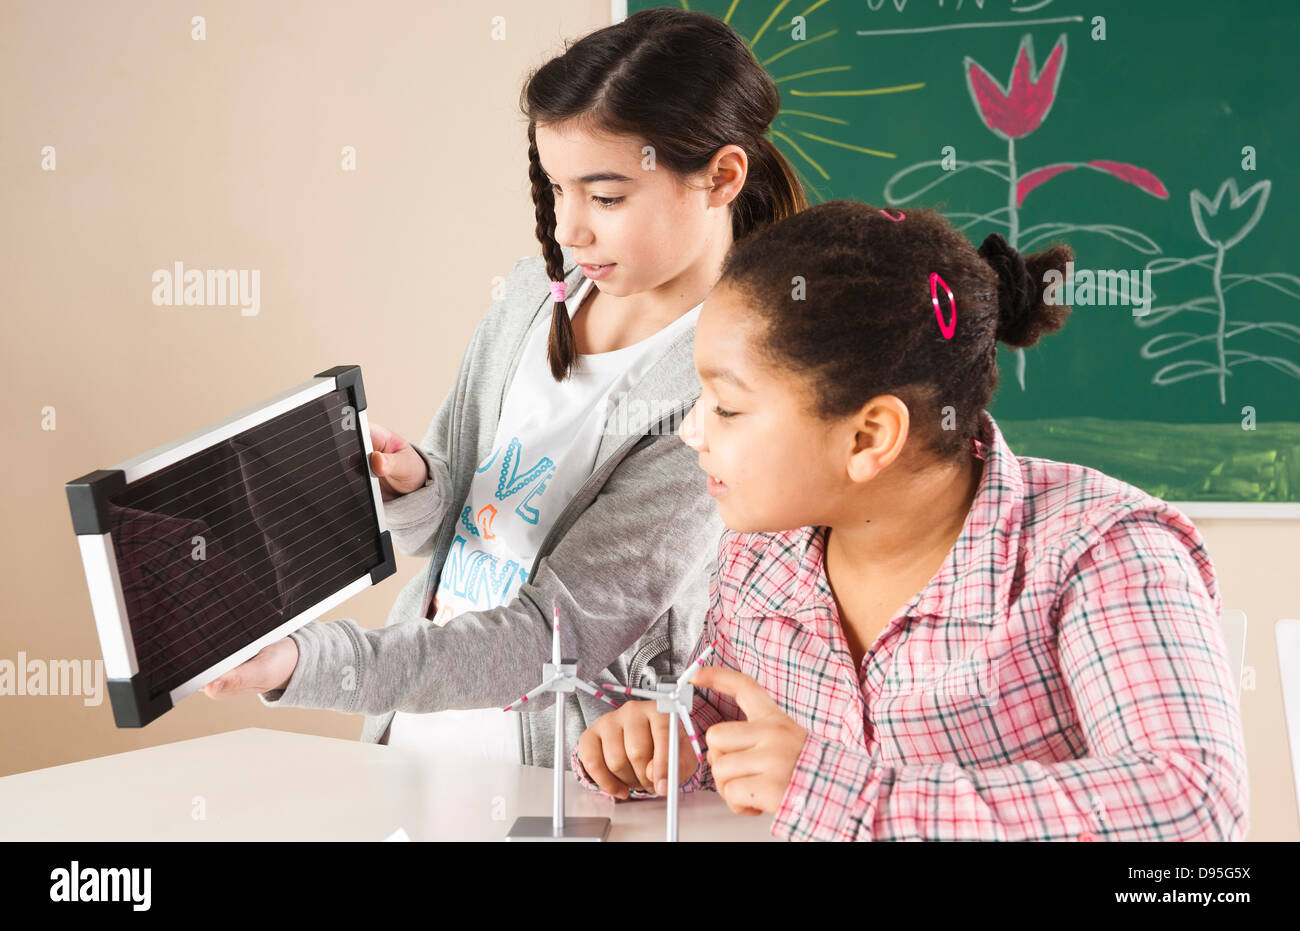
(225, 154)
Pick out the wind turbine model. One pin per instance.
(559, 676)
(674, 695)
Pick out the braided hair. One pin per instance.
(686, 84)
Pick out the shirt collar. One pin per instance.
(974, 583)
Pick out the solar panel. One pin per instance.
(202, 551)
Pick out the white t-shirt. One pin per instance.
(544, 450)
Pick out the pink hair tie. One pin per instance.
(947, 329)
(901, 216)
(557, 290)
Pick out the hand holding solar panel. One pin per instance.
(270, 669)
(201, 552)
(399, 468)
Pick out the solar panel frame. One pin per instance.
(93, 500)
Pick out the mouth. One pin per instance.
(597, 272)
(715, 487)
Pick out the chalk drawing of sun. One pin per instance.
(799, 100)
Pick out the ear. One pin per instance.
(726, 174)
(880, 429)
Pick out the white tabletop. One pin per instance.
(258, 784)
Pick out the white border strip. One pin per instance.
(364, 423)
(617, 11)
(1233, 624)
(169, 453)
(197, 682)
(1287, 633)
(106, 601)
(1245, 510)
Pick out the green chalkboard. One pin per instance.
(1158, 138)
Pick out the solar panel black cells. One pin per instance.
(199, 553)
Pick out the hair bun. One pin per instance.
(1017, 296)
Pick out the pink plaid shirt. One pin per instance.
(1062, 677)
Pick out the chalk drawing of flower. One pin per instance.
(1221, 229)
(1012, 112)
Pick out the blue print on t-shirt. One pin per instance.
(511, 482)
(480, 577)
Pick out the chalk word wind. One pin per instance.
(1103, 286)
(213, 287)
(53, 677)
(105, 884)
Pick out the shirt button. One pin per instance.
(1087, 835)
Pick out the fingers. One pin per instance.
(657, 774)
(384, 464)
(732, 736)
(591, 755)
(611, 748)
(270, 669)
(729, 766)
(232, 683)
(641, 741)
(748, 795)
(618, 764)
(752, 698)
(385, 440)
(687, 762)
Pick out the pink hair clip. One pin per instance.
(946, 329)
(557, 290)
(901, 215)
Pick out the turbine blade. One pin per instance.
(626, 690)
(699, 662)
(545, 686)
(592, 690)
(685, 718)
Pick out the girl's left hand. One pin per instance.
(270, 669)
(752, 760)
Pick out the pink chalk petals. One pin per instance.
(1138, 177)
(1019, 110)
(947, 329)
(1040, 176)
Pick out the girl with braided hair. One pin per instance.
(552, 476)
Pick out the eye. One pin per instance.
(605, 202)
(723, 414)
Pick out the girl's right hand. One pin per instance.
(628, 749)
(399, 468)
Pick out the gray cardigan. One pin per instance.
(627, 560)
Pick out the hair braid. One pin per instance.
(561, 348)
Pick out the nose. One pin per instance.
(688, 432)
(570, 228)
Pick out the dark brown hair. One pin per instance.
(685, 83)
(865, 324)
